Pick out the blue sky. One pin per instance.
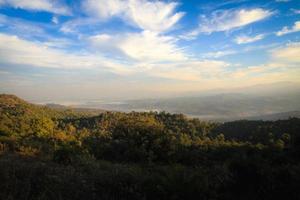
(125, 49)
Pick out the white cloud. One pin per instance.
(288, 54)
(284, 64)
(218, 54)
(151, 47)
(296, 11)
(27, 53)
(159, 56)
(60, 43)
(210, 73)
(22, 27)
(287, 30)
(243, 39)
(33, 54)
(154, 15)
(52, 6)
(143, 47)
(226, 20)
(104, 9)
(261, 47)
(190, 70)
(72, 25)
(55, 20)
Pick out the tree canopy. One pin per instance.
(65, 154)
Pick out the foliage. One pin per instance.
(59, 154)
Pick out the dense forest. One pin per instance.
(48, 153)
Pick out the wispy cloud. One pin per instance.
(55, 20)
(288, 54)
(191, 70)
(24, 52)
(261, 47)
(155, 15)
(52, 6)
(219, 54)
(225, 20)
(104, 9)
(74, 26)
(22, 27)
(145, 46)
(296, 11)
(282, 66)
(286, 30)
(282, 0)
(27, 53)
(244, 39)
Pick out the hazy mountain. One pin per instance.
(60, 107)
(277, 116)
(256, 102)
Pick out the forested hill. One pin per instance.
(65, 154)
(11, 103)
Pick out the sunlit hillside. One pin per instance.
(46, 154)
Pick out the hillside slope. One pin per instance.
(51, 154)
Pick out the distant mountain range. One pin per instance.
(265, 102)
(277, 116)
(219, 107)
(223, 107)
(59, 107)
(125, 107)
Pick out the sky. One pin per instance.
(70, 50)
